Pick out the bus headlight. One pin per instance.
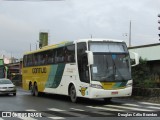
(129, 84)
(96, 86)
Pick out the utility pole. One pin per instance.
(91, 36)
(30, 47)
(159, 26)
(130, 32)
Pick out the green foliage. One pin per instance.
(142, 76)
(1, 62)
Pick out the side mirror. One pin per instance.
(134, 58)
(90, 57)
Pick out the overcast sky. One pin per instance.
(21, 22)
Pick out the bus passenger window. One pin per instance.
(70, 53)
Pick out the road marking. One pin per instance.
(131, 108)
(30, 110)
(147, 103)
(76, 109)
(26, 118)
(154, 107)
(55, 109)
(56, 118)
(103, 108)
(1, 119)
(102, 113)
(65, 113)
(134, 105)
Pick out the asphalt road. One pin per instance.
(59, 107)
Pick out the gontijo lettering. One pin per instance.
(39, 70)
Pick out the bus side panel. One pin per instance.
(55, 77)
(70, 76)
(37, 74)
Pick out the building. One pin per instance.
(151, 53)
(11, 68)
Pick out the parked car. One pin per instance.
(7, 87)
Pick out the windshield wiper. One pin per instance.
(114, 69)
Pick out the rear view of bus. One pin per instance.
(106, 66)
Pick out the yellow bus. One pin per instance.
(89, 68)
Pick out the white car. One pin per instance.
(7, 87)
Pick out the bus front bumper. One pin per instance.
(101, 93)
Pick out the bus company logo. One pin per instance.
(39, 70)
(83, 90)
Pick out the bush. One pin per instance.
(142, 76)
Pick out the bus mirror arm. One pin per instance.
(90, 58)
(134, 56)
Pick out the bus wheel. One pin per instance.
(73, 95)
(32, 90)
(30, 86)
(36, 90)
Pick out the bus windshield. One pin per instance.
(111, 62)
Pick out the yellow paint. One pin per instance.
(48, 47)
(110, 86)
(39, 78)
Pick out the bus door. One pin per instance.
(83, 68)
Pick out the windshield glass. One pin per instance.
(111, 67)
(117, 47)
(111, 62)
(5, 82)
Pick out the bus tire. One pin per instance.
(30, 86)
(32, 90)
(72, 93)
(36, 93)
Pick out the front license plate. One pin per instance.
(114, 93)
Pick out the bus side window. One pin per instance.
(34, 60)
(38, 59)
(29, 61)
(59, 57)
(70, 54)
(50, 57)
(25, 61)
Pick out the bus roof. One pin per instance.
(97, 39)
(50, 47)
(64, 43)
